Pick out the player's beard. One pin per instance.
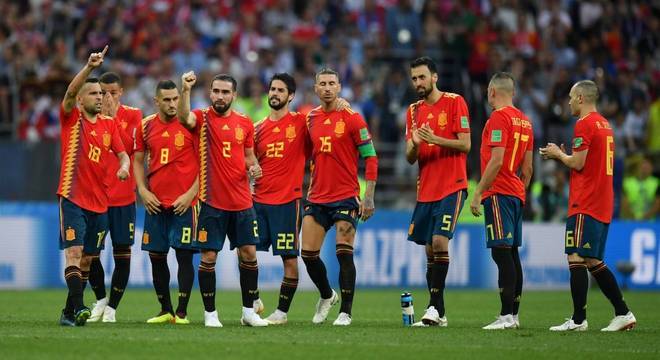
(280, 104)
(221, 109)
(424, 92)
(93, 109)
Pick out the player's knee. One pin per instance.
(290, 267)
(247, 253)
(591, 262)
(209, 256)
(73, 254)
(574, 258)
(440, 243)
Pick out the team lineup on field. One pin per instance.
(210, 174)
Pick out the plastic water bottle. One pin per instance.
(407, 310)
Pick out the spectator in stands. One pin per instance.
(639, 192)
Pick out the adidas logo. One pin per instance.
(509, 236)
(276, 129)
(225, 127)
(93, 133)
(429, 116)
(166, 134)
(586, 246)
(327, 122)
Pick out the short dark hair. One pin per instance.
(287, 79)
(424, 61)
(110, 78)
(91, 80)
(326, 71)
(504, 81)
(165, 85)
(225, 77)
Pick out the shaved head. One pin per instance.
(503, 82)
(588, 89)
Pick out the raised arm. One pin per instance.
(186, 117)
(95, 60)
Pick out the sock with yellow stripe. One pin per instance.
(519, 280)
(249, 273)
(97, 277)
(438, 277)
(579, 287)
(161, 280)
(506, 278)
(287, 290)
(122, 258)
(346, 276)
(206, 278)
(316, 271)
(73, 277)
(186, 277)
(607, 283)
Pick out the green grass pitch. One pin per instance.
(29, 329)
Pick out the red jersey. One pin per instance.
(121, 193)
(281, 146)
(335, 137)
(223, 179)
(591, 190)
(510, 129)
(171, 157)
(442, 171)
(85, 151)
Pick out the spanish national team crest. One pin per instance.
(240, 134)
(290, 132)
(442, 120)
(107, 140)
(202, 236)
(70, 234)
(340, 128)
(145, 238)
(179, 140)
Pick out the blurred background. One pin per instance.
(547, 45)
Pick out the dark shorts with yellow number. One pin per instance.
(436, 218)
(279, 226)
(215, 225)
(80, 227)
(329, 213)
(585, 236)
(122, 224)
(167, 230)
(503, 216)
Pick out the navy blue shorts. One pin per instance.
(80, 227)
(436, 218)
(279, 226)
(122, 224)
(585, 236)
(503, 216)
(328, 214)
(216, 224)
(166, 229)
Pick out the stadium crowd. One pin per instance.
(546, 45)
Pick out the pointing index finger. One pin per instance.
(105, 49)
